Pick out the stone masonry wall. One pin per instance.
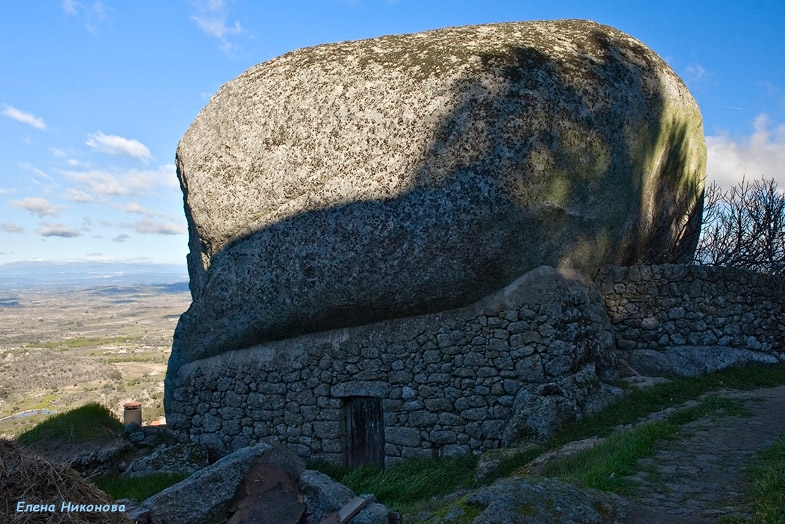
(678, 305)
(518, 363)
(448, 382)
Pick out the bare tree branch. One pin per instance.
(744, 227)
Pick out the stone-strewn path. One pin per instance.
(698, 476)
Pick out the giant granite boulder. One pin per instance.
(348, 183)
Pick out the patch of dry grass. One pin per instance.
(25, 476)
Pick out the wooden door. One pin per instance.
(364, 431)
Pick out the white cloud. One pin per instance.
(212, 20)
(762, 154)
(217, 27)
(90, 14)
(63, 157)
(99, 9)
(11, 228)
(77, 195)
(24, 117)
(771, 89)
(135, 207)
(71, 6)
(695, 72)
(38, 206)
(48, 229)
(775, 92)
(168, 173)
(133, 182)
(121, 238)
(118, 145)
(153, 227)
(31, 168)
(107, 183)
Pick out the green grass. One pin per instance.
(132, 357)
(89, 422)
(44, 402)
(507, 466)
(138, 489)
(401, 485)
(333, 471)
(767, 493)
(84, 342)
(607, 465)
(641, 402)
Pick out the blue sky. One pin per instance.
(95, 95)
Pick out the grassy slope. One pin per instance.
(408, 487)
(89, 422)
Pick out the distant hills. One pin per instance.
(53, 274)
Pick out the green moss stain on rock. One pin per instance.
(531, 499)
(459, 512)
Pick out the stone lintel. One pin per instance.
(362, 388)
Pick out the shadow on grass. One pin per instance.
(85, 423)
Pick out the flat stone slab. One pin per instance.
(206, 495)
(692, 361)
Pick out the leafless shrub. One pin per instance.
(744, 227)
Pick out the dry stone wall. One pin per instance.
(448, 383)
(677, 305)
(517, 364)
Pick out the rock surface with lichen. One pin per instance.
(534, 500)
(353, 182)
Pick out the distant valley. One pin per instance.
(58, 275)
(81, 332)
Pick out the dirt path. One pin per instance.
(697, 477)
